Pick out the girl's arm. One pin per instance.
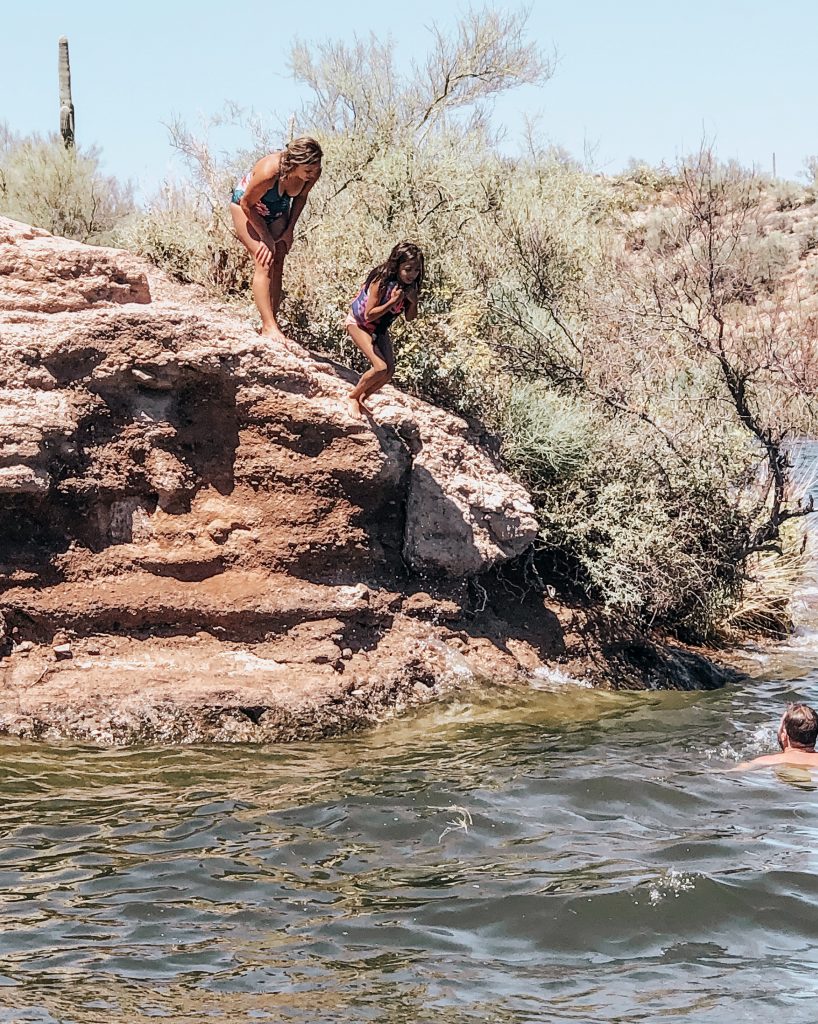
(262, 177)
(410, 310)
(375, 309)
(297, 208)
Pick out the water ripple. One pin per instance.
(547, 856)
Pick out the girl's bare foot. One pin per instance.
(354, 408)
(274, 332)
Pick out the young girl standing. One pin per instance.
(389, 290)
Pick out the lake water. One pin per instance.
(560, 854)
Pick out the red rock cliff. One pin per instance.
(194, 504)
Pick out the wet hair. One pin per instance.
(302, 150)
(801, 724)
(388, 270)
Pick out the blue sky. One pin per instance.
(633, 79)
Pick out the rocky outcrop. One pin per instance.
(199, 542)
(123, 397)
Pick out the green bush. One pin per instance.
(61, 190)
(178, 235)
(660, 550)
(658, 540)
(620, 336)
(548, 438)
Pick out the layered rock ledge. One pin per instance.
(199, 543)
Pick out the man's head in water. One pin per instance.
(799, 728)
(797, 733)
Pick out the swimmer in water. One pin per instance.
(797, 733)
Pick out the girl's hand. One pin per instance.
(397, 297)
(263, 255)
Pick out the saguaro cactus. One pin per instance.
(66, 106)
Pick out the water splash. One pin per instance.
(670, 883)
(547, 677)
(761, 740)
(461, 821)
(454, 669)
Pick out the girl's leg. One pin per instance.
(277, 268)
(264, 279)
(367, 345)
(383, 346)
(276, 274)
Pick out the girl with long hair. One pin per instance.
(390, 289)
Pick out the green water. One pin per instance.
(562, 855)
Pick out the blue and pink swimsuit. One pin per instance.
(357, 312)
(276, 203)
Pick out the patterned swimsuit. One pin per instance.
(357, 313)
(276, 204)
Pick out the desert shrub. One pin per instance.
(787, 195)
(761, 260)
(636, 389)
(548, 437)
(661, 553)
(61, 190)
(769, 598)
(657, 538)
(660, 540)
(460, 380)
(640, 185)
(658, 230)
(642, 173)
(766, 603)
(808, 241)
(193, 244)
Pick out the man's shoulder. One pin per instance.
(804, 759)
(760, 762)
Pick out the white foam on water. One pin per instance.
(803, 639)
(455, 667)
(762, 740)
(762, 657)
(670, 883)
(547, 678)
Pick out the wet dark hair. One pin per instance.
(801, 724)
(388, 270)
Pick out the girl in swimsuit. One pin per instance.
(389, 290)
(265, 206)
